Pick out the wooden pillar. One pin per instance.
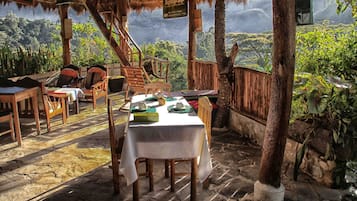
(191, 43)
(63, 13)
(284, 30)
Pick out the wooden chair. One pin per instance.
(53, 105)
(95, 84)
(116, 137)
(137, 84)
(7, 117)
(69, 76)
(205, 114)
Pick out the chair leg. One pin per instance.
(136, 184)
(172, 174)
(115, 169)
(193, 179)
(12, 131)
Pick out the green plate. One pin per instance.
(174, 109)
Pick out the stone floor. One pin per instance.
(72, 162)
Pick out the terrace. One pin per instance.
(72, 162)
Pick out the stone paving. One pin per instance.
(72, 162)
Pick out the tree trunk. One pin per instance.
(225, 67)
(281, 92)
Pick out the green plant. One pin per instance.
(329, 103)
(328, 51)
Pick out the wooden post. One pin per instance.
(191, 43)
(63, 13)
(284, 30)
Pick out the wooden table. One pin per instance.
(73, 95)
(174, 136)
(14, 95)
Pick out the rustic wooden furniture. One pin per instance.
(53, 104)
(205, 114)
(13, 95)
(73, 95)
(116, 136)
(95, 84)
(136, 82)
(69, 76)
(7, 117)
(174, 136)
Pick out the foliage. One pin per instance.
(18, 32)
(342, 5)
(26, 61)
(327, 51)
(205, 45)
(90, 46)
(329, 103)
(28, 47)
(175, 54)
(254, 48)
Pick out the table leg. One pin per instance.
(167, 163)
(136, 184)
(15, 110)
(193, 179)
(172, 173)
(67, 106)
(36, 113)
(151, 176)
(77, 105)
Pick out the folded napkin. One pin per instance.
(170, 98)
(174, 109)
(146, 117)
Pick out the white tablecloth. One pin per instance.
(74, 93)
(174, 136)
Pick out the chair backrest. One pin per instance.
(95, 74)
(68, 75)
(205, 114)
(134, 77)
(116, 136)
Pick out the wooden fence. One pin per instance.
(251, 93)
(205, 75)
(251, 88)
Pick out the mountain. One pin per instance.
(148, 26)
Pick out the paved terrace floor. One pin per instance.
(72, 162)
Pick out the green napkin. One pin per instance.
(170, 99)
(149, 109)
(185, 109)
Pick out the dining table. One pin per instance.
(175, 134)
(73, 95)
(15, 94)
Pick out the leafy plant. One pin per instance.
(329, 103)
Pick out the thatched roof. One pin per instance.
(78, 5)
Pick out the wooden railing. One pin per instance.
(251, 93)
(205, 75)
